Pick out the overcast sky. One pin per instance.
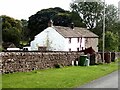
(23, 9)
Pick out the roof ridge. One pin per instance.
(77, 32)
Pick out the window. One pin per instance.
(82, 48)
(69, 49)
(78, 39)
(69, 40)
(86, 40)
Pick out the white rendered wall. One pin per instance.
(49, 38)
(74, 44)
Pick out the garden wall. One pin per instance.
(28, 61)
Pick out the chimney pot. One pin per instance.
(50, 23)
(72, 25)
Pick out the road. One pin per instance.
(108, 81)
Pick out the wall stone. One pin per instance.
(28, 61)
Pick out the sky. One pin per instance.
(23, 9)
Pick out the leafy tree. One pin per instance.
(62, 19)
(90, 12)
(25, 30)
(111, 18)
(39, 21)
(117, 29)
(77, 20)
(112, 25)
(111, 41)
(11, 30)
(11, 35)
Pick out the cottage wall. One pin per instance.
(91, 42)
(75, 44)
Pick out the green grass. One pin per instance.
(67, 77)
(0, 81)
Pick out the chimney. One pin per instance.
(50, 23)
(72, 25)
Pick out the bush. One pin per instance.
(57, 65)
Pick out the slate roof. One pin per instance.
(77, 32)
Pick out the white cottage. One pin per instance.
(59, 38)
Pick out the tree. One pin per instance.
(77, 20)
(25, 30)
(117, 30)
(39, 21)
(11, 30)
(90, 12)
(62, 19)
(112, 42)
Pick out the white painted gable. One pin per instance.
(49, 38)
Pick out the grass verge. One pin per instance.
(67, 77)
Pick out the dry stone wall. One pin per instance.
(11, 62)
(28, 61)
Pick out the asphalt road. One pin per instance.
(109, 81)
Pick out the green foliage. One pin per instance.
(111, 41)
(62, 19)
(90, 12)
(39, 21)
(77, 20)
(56, 65)
(11, 30)
(14, 30)
(25, 30)
(11, 35)
(111, 14)
(100, 43)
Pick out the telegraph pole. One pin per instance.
(103, 31)
(0, 33)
